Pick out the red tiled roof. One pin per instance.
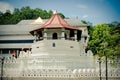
(56, 22)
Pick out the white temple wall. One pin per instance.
(84, 30)
(14, 45)
(71, 47)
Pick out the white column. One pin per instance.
(35, 36)
(63, 34)
(82, 38)
(75, 34)
(88, 37)
(9, 52)
(45, 34)
(17, 53)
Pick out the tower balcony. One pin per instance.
(58, 38)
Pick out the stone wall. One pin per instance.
(62, 75)
(28, 67)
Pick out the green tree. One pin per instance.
(83, 21)
(1, 17)
(1, 14)
(62, 15)
(115, 42)
(16, 11)
(86, 22)
(36, 13)
(24, 13)
(50, 13)
(6, 17)
(100, 38)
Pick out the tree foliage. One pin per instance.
(25, 13)
(99, 39)
(115, 42)
(105, 40)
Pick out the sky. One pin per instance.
(94, 11)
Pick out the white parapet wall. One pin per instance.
(56, 47)
(36, 68)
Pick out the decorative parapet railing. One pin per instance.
(61, 73)
(58, 38)
(14, 67)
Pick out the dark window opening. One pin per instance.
(40, 37)
(79, 35)
(53, 44)
(38, 47)
(71, 33)
(65, 36)
(85, 38)
(55, 36)
(71, 47)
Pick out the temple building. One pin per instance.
(18, 37)
(49, 49)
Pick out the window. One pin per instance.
(65, 36)
(71, 47)
(54, 36)
(53, 44)
(85, 38)
(37, 47)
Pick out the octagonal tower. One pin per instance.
(58, 43)
(56, 36)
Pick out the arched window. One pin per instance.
(85, 38)
(54, 36)
(71, 33)
(40, 37)
(79, 35)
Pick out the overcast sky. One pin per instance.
(95, 11)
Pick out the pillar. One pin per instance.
(35, 35)
(17, 53)
(9, 52)
(88, 37)
(45, 34)
(75, 34)
(82, 38)
(63, 34)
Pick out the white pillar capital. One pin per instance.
(45, 34)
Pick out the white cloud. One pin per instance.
(5, 6)
(85, 16)
(82, 6)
